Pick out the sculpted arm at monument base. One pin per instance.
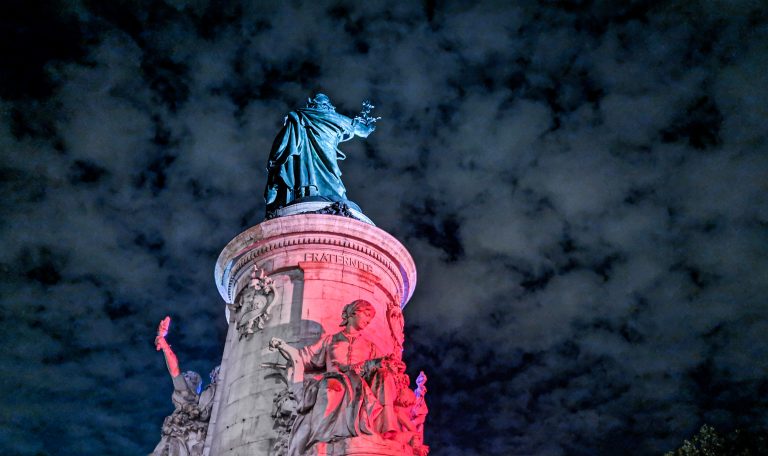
(161, 344)
(184, 431)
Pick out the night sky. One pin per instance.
(582, 184)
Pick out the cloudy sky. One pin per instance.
(583, 186)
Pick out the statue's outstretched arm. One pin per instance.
(295, 368)
(362, 129)
(289, 353)
(161, 344)
(364, 124)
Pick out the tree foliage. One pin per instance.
(708, 442)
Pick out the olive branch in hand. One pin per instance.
(365, 114)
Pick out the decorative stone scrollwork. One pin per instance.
(252, 307)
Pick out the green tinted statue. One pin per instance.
(304, 161)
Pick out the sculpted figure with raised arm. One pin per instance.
(304, 160)
(353, 390)
(184, 431)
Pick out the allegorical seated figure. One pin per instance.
(354, 390)
(185, 429)
(305, 154)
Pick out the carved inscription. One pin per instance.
(337, 259)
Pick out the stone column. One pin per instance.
(290, 277)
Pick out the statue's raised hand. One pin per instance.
(275, 343)
(363, 129)
(162, 331)
(364, 124)
(286, 351)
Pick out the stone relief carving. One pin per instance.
(418, 415)
(285, 408)
(348, 390)
(396, 326)
(285, 405)
(184, 431)
(252, 306)
(338, 208)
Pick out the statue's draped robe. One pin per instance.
(339, 403)
(304, 157)
(185, 429)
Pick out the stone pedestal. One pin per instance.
(290, 277)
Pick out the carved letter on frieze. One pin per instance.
(253, 304)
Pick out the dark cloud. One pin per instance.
(35, 35)
(581, 184)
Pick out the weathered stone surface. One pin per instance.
(367, 445)
(313, 238)
(316, 264)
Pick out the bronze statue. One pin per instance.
(304, 160)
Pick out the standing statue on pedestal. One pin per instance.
(305, 154)
(185, 429)
(419, 412)
(354, 389)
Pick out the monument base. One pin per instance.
(290, 278)
(365, 445)
(321, 205)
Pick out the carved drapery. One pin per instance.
(352, 392)
(184, 431)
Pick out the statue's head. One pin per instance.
(193, 381)
(321, 102)
(360, 312)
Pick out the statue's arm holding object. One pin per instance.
(161, 344)
(296, 364)
(364, 124)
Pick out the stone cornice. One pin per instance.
(285, 239)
